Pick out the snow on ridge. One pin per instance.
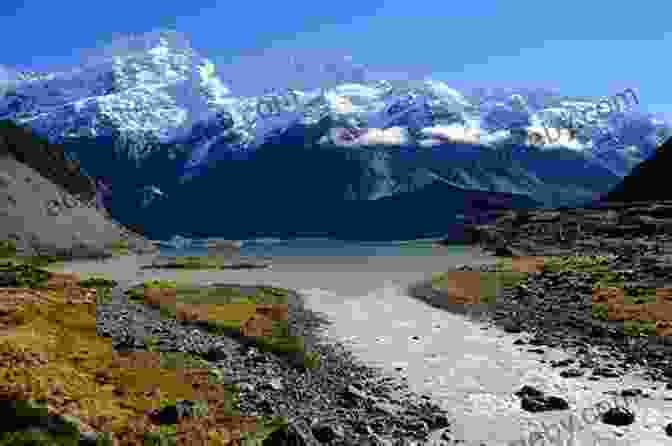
(156, 84)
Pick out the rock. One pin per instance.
(605, 372)
(513, 327)
(543, 404)
(171, 413)
(325, 433)
(88, 250)
(295, 435)
(5, 179)
(274, 384)
(88, 439)
(529, 391)
(571, 373)
(53, 208)
(618, 416)
(8, 279)
(631, 393)
(353, 397)
(534, 400)
(214, 354)
(502, 249)
(479, 234)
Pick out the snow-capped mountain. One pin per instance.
(154, 115)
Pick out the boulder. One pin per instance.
(503, 249)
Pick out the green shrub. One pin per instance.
(312, 360)
(28, 276)
(135, 294)
(157, 283)
(7, 248)
(31, 412)
(600, 312)
(120, 247)
(97, 282)
(280, 345)
(181, 360)
(639, 328)
(162, 438)
(36, 438)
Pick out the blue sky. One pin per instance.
(578, 47)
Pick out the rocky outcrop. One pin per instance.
(647, 180)
(48, 160)
(47, 206)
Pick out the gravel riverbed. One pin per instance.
(342, 403)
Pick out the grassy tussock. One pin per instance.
(644, 311)
(51, 355)
(259, 319)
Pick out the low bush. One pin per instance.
(639, 328)
(7, 248)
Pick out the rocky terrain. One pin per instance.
(646, 179)
(48, 206)
(596, 276)
(635, 237)
(338, 401)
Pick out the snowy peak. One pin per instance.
(155, 87)
(152, 85)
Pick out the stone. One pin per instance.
(8, 279)
(325, 433)
(618, 416)
(274, 384)
(293, 436)
(53, 208)
(534, 400)
(215, 354)
(88, 438)
(502, 249)
(5, 179)
(571, 373)
(170, 414)
(513, 327)
(353, 396)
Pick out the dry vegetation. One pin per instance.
(50, 354)
(643, 311)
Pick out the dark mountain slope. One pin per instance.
(649, 180)
(47, 159)
(47, 206)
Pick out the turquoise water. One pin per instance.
(329, 247)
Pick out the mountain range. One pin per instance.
(176, 151)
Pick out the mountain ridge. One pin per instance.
(48, 207)
(647, 179)
(156, 119)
